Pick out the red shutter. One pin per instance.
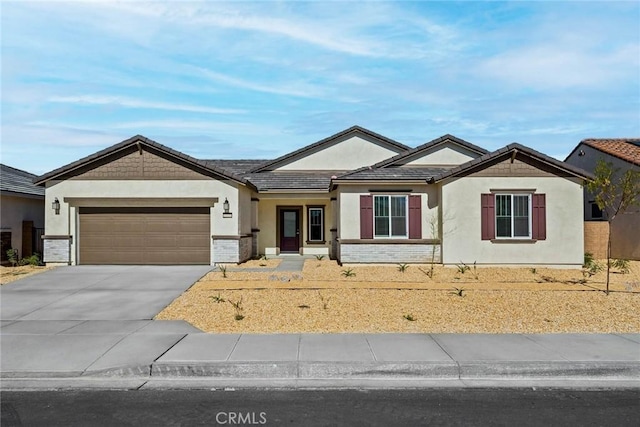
(488, 213)
(366, 217)
(415, 217)
(538, 217)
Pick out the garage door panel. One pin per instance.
(145, 236)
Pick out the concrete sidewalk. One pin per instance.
(165, 351)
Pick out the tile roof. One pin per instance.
(510, 149)
(18, 181)
(395, 173)
(144, 141)
(326, 141)
(238, 167)
(293, 180)
(627, 149)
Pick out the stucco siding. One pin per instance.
(444, 155)
(564, 245)
(16, 209)
(349, 154)
(349, 205)
(268, 219)
(120, 193)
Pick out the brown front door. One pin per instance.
(289, 230)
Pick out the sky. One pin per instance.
(256, 80)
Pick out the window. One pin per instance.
(596, 212)
(390, 216)
(316, 224)
(513, 215)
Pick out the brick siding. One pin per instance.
(596, 234)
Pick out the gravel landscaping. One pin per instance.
(384, 299)
(11, 274)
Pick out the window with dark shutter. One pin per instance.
(539, 217)
(366, 217)
(487, 203)
(415, 217)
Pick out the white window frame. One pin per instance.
(529, 215)
(406, 216)
(315, 208)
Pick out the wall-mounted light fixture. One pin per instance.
(56, 206)
(225, 207)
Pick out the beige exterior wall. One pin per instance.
(169, 193)
(444, 155)
(14, 210)
(349, 205)
(350, 154)
(564, 246)
(268, 220)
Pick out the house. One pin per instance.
(623, 154)
(22, 207)
(355, 196)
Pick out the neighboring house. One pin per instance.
(22, 207)
(356, 196)
(623, 154)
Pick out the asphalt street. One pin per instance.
(455, 407)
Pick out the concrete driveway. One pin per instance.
(96, 292)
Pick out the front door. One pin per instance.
(289, 230)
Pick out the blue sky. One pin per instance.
(260, 79)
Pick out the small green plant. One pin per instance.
(324, 300)
(622, 265)
(588, 259)
(402, 268)
(30, 260)
(462, 267)
(223, 269)
(237, 306)
(475, 271)
(12, 257)
(217, 298)
(592, 269)
(533, 270)
(264, 258)
(410, 317)
(348, 272)
(319, 257)
(457, 291)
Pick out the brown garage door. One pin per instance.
(144, 236)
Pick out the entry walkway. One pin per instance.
(289, 264)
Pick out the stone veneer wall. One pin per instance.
(233, 250)
(56, 250)
(246, 248)
(388, 253)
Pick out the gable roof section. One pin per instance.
(393, 161)
(511, 149)
(14, 180)
(143, 141)
(627, 149)
(395, 174)
(327, 142)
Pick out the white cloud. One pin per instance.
(134, 103)
(552, 66)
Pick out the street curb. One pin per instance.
(294, 370)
